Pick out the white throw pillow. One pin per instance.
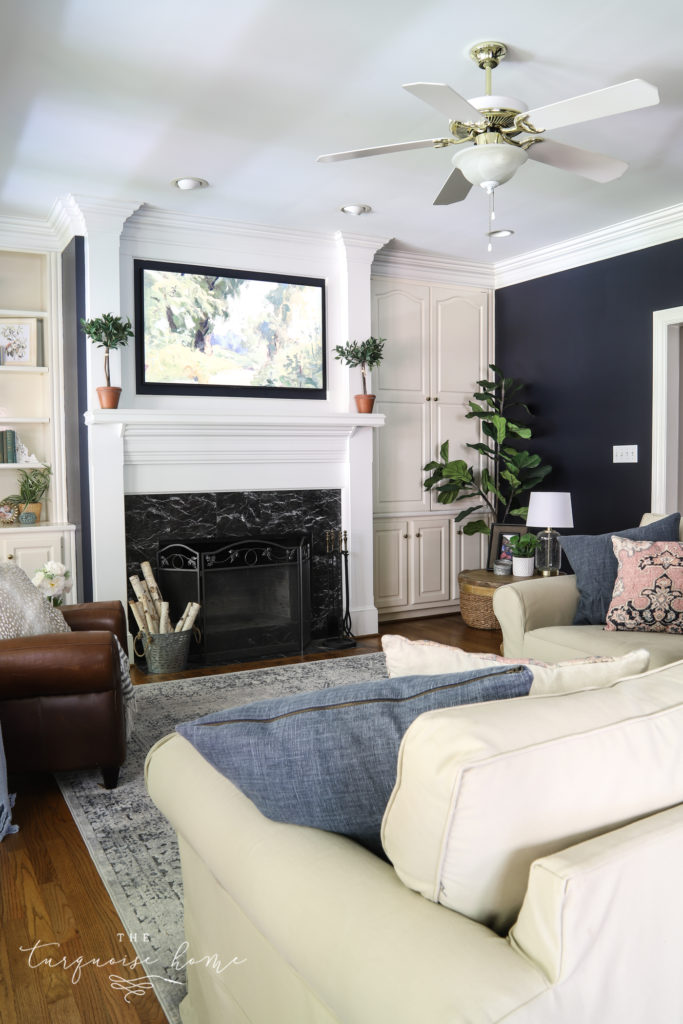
(424, 657)
(483, 791)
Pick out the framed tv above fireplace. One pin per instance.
(211, 331)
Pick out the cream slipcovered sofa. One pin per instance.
(536, 846)
(536, 617)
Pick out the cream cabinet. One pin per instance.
(417, 562)
(32, 405)
(31, 546)
(437, 347)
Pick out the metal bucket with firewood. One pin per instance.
(164, 646)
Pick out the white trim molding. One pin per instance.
(148, 451)
(615, 240)
(666, 324)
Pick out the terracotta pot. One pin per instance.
(109, 397)
(364, 403)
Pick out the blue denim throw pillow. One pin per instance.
(592, 560)
(328, 759)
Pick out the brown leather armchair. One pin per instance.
(61, 705)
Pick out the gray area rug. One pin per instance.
(131, 843)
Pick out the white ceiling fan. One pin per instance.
(488, 128)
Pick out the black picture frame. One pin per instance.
(259, 336)
(497, 542)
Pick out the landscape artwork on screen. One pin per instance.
(201, 330)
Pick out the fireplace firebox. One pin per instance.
(254, 592)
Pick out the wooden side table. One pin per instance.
(477, 587)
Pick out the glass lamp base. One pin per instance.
(548, 553)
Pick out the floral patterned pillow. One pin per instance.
(648, 593)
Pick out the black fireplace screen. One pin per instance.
(255, 593)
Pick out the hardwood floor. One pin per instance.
(50, 891)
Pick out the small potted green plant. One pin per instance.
(33, 485)
(366, 354)
(523, 547)
(108, 331)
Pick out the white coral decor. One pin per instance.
(53, 581)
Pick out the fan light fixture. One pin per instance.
(489, 163)
(189, 184)
(500, 233)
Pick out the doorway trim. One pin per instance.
(666, 356)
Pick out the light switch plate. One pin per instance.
(625, 453)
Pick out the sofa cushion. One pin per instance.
(592, 560)
(328, 759)
(405, 657)
(653, 517)
(648, 592)
(24, 611)
(483, 791)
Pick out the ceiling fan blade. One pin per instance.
(444, 99)
(594, 166)
(398, 147)
(615, 99)
(454, 190)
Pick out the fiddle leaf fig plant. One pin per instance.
(366, 354)
(108, 331)
(509, 472)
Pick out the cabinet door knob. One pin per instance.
(428, 399)
(9, 557)
(405, 537)
(418, 535)
(436, 399)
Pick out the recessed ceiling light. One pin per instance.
(186, 184)
(356, 209)
(500, 233)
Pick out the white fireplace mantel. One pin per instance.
(144, 451)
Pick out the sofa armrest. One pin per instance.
(98, 615)
(610, 908)
(59, 663)
(521, 607)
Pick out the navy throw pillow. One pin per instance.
(592, 560)
(328, 759)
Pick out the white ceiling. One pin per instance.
(117, 99)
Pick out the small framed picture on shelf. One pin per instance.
(499, 547)
(8, 513)
(18, 341)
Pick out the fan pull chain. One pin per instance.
(492, 215)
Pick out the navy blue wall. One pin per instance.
(582, 339)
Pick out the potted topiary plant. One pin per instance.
(108, 331)
(33, 484)
(366, 354)
(523, 547)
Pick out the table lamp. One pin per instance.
(549, 509)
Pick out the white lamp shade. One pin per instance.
(550, 508)
(489, 163)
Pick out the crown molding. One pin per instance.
(26, 234)
(627, 236)
(424, 266)
(151, 224)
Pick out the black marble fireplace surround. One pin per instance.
(153, 520)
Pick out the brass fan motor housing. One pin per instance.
(488, 55)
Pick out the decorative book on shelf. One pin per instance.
(8, 446)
